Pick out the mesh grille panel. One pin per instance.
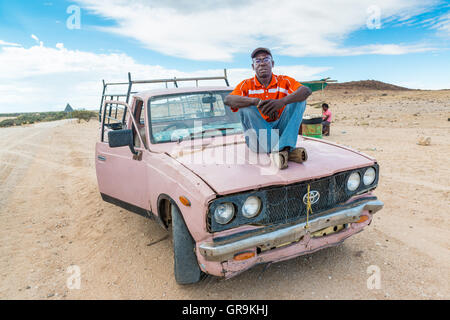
(285, 204)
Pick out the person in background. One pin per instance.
(326, 119)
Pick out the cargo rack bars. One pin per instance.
(130, 83)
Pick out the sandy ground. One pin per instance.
(52, 216)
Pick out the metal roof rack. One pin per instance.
(130, 83)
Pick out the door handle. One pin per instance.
(101, 158)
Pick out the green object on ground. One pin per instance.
(312, 130)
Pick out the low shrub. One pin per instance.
(83, 115)
(7, 123)
(29, 118)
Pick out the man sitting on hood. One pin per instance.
(271, 108)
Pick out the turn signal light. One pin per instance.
(362, 219)
(185, 201)
(244, 256)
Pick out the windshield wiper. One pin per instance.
(209, 130)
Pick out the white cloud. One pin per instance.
(42, 78)
(429, 15)
(423, 85)
(443, 25)
(216, 30)
(35, 38)
(9, 44)
(387, 49)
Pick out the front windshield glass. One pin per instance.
(191, 116)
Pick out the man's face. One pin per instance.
(263, 64)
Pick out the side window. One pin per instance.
(141, 120)
(139, 115)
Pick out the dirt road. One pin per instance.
(52, 216)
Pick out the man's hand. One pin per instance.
(270, 107)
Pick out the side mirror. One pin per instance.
(121, 138)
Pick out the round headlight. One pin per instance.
(224, 213)
(353, 181)
(369, 176)
(251, 207)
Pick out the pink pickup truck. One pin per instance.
(179, 156)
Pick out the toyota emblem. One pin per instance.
(313, 197)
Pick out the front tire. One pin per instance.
(186, 268)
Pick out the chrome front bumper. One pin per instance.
(267, 239)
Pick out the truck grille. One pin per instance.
(285, 204)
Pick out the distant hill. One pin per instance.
(367, 85)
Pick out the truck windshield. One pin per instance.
(191, 116)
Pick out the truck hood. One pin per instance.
(230, 167)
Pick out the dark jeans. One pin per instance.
(326, 127)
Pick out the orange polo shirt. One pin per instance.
(279, 87)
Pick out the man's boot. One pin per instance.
(298, 155)
(279, 159)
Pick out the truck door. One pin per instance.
(121, 175)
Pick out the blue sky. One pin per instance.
(45, 64)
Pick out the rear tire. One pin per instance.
(186, 268)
